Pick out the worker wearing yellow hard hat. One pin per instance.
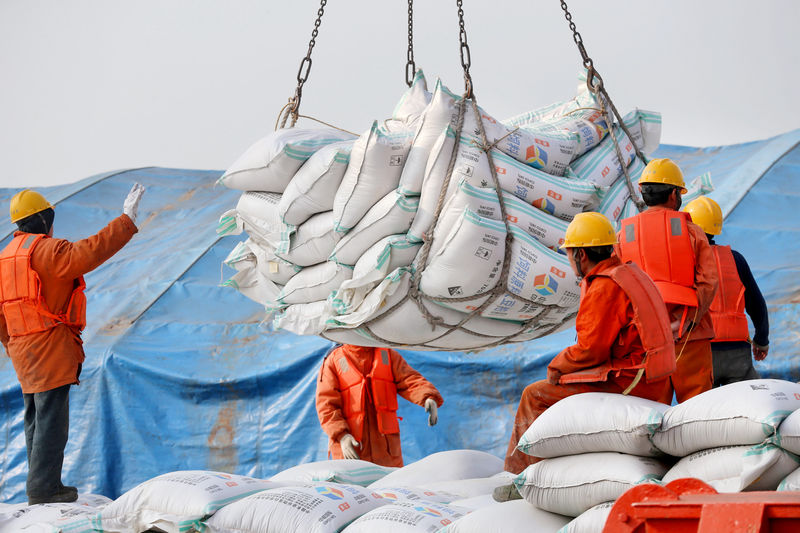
(738, 292)
(42, 314)
(675, 253)
(624, 342)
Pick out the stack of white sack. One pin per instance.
(370, 241)
(728, 437)
(594, 447)
(50, 517)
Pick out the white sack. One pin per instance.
(737, 468)
(788, 436)
(476, 502)
(601, 165)
(594, 422)
(257, 214)
(302, 319)
(746, 412)
(545, 228)
(391, 215)
(374, 170)
(310, 508)
(443, 466)
(468, 261)
(582, 100)
(314, 283)
(77, 516)
(516, 515)
(588, 125)
(253, 284)
(414, 100)
(311, 243)
(590, 521)
(470, 488)
(558, 196)
(250, 254)
(572, 484)
(350, 471)
(176, 501)
(791, 482)
(407, 517)
(383, 257)
(313, 187)
(414, 494)
(270, 163)
(613, 198)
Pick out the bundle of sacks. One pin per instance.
(336, 223)
(595, 446)
(446, 491)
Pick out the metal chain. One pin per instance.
(304, 70)
(466, 59)
(411, 67)
(595, 84)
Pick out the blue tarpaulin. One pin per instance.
(179, 373)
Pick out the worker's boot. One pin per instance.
(65, 494)
(506, 493)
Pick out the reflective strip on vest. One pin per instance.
(727, 309)
(353, 388)
(652, 323)
(23, 306)
(658, 241)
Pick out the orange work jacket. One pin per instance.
(21, 299)
(727, 308)
(658, 241)
(650, 319)
(353, 385)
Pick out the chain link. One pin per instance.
(411, 67)
(466, 58)
(304, 70)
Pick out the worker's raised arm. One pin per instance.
(412, 385)
(329, 402)
(69, 260)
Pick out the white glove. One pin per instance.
(348, 444)
(433, 411)
(131, 205)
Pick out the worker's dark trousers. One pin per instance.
(46, 431)
(733, 364)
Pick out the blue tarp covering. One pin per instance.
(180, 375)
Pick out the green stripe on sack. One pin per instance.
(214, 506)
(230, 283)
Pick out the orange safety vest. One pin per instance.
(21, 297)
(658, 241)
(353, 386)
(727, 309)
(651, 320)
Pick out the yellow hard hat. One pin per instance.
(663, 171)
(589, 229)
(706, 213)
(26, 203)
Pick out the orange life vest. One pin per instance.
(353, 386)
(651, 320)
(21, 298)
(727, 309)
(658, 241)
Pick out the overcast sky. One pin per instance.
(90, 86)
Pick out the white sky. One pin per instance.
(89, 86)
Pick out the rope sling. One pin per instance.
(609, 111)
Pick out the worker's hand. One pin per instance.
(348, 444)
(433, 411)
(131, 205)
(553, 376)
(760, 352)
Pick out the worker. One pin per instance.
(357, 402)
(623, 333)
(675, 253)
(737, 293)
(42, 314)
